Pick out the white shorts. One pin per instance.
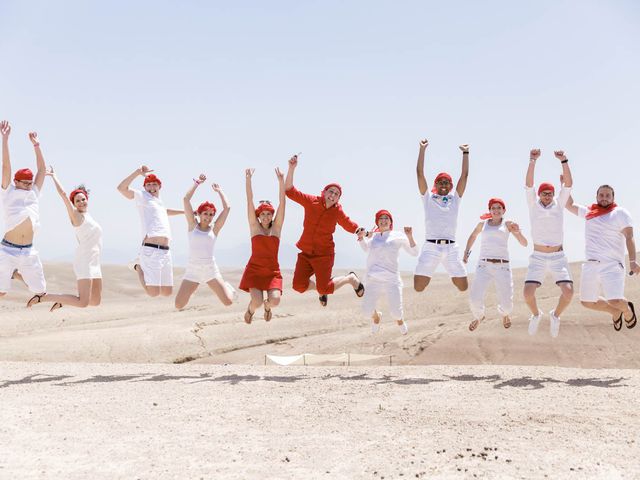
(607, 277)
(540, 263)
(376, 290)
(157, 267)
(86, 265)
(27, 262)
(202, 272)
(431, 256)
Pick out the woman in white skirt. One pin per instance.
(493, 264)
(86, 264)
(201, 266)
(383, 278)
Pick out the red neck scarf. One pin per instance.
(596, 210)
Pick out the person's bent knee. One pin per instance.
(153, 291)
(227, 302)
(166, 292)
(461, 283)
(274, 301)
(420, 282)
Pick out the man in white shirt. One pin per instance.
(441, 218)
(20, 202)
(608, 230)
(154, 265)
(547, 218)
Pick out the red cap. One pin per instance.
(264, 207)
(151, 178)
(206, 206)
(441, 176)
(73, 194)
(23, 174)
(327, 187)
(379, 213)
(546, 186)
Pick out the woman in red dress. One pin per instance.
(262, 273)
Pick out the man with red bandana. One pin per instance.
(20, 203)
(441, 218)
(546, 214)
(608, 230)
(321, 215)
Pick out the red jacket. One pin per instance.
(319, 223)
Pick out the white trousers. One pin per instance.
(500, 275)
(377, 290)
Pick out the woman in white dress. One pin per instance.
(493, 264)
(383, 278)
(203, 233)
(86, 264)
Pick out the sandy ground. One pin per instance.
(162, 421)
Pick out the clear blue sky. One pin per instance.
(214, 87)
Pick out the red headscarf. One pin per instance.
(379, 213)
(73, 194)
(441, 176)
(264, 207)
(546, 186)
(206, 206)
(151, 178)
(596, 210)
(23, 174)
(493, 201)
(327, 187)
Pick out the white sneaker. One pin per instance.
(534, 321)
(554, 324)
(403, 328)
(375, 327)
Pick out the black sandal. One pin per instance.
(37, 297)
(617, 324)
(360, 290)
(324, 299)
(55, 306)
(631, 323)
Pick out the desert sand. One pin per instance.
(135, 389)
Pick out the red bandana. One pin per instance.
(487, 216)
(441, 176)
(23, 174)
(596, 210)
(206, 206)
(151, 178)
(73, 194)
(379, 213)
(546, 186)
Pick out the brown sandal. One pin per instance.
(506, 321)
(248, 316)
(55, 307)
(474, 324)
(35, 299)
(268, 314)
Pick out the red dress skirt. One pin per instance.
(262, 271)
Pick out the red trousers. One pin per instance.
(321, 266)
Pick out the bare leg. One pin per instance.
(343, 280)
(461, 283)
(166, 291)
(222, 291)
(530, 297)
(96, 292)
(565, 297)
(420, 282)
(187, 288)
(81, 300)
(603, 306)
(257, 299)
(273, 298)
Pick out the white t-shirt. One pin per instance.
(153, 215)
(384, 249)
(18, 205)
(494, 240)
(201, 245)
(547, 223)
(441, 215)
(604, 240)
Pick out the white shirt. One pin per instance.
(494, 240)
(201, 245)
(547, 223)
(604, 240)
(18, 205)
(153, 215)
(384, 250)
(440, 215)
(89, 235)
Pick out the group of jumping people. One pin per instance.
(608, 233)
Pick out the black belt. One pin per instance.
(15, 245)
(440, 241)
(153, 245)
(495, 260)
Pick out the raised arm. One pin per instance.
(422, 181)
(74, 216)
(282, 201)
(225, 209)
(572, 206)
(471, 241)
(123, 187)
(464, 174)
(631, 250)
(534, 154)
(186, 201)
(514, 229)
(293, 164)
(412, 250)
(41, 168)
(5, 130)
(251, 206)
(566, 171)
